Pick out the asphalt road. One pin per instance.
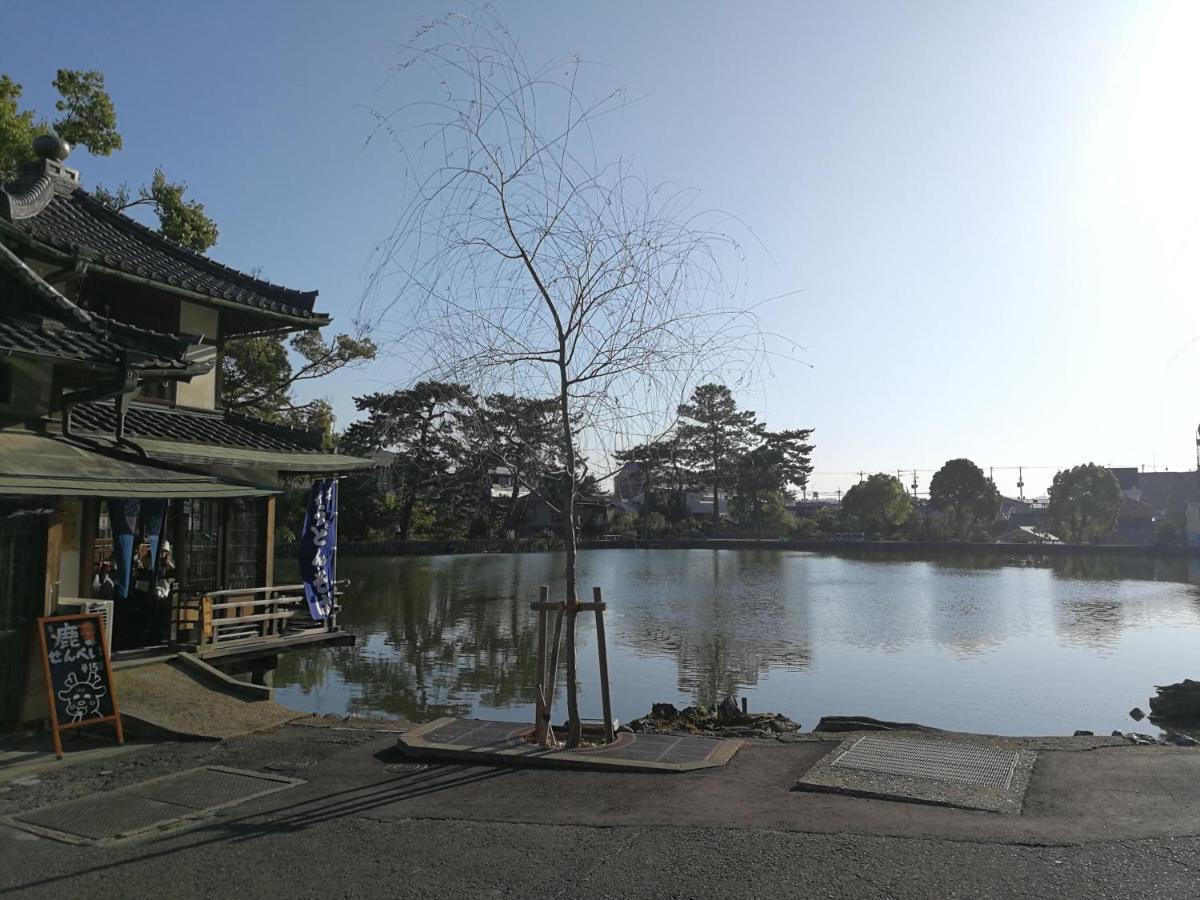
(357, 829)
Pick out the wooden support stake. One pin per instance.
(542, 717)
(552, 675)
(602, 650)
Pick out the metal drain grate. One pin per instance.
(102, 816)
(209, 788)
(936, 760)
(151, 804)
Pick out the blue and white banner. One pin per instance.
(318, 548)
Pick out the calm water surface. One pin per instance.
(955, 643)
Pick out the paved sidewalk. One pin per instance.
(1112, 821)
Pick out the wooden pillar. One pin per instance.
(54, 534)
(87, 545)
(269, 550)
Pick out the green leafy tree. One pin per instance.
(258, 376)
(966, 497)
(820, 524)
(18, 128)
(769, 516)
(713, 435)
(878, 505)
(183, 221)
(89, 119)
(518, 434)
(665, 478)
(421, 426)
(1084, 503)
(781, 459)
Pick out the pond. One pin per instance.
(972, 644)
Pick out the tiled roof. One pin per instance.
(73, 220)
(31, 334)
(35, 318)
(226, 429)
(36, 290)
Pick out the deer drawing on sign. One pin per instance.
(82, 697)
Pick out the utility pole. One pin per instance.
(862, 476)
(914, 482)
(1021, 482)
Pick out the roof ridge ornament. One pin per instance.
(51, 146)
(34, 189)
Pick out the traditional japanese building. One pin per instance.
(114, 445)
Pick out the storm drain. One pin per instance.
(938, 760)
(970, 774)
(122, 813)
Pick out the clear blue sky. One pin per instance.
(991, 209)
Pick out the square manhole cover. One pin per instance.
(152, 804)
(102, 816)
(972, 775)
(939, 760)
(210, 787)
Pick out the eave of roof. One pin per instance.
(212, 454)
(44, 465)
(51, 211)
(214, 437)
(73, 336)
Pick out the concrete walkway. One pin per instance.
(1116, 821)
(169, 698)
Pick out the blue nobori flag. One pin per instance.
(318, 547)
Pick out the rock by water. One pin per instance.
(1178, 702)
(724, 720)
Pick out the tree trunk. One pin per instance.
(716, 488)
(406, 513)
(573, 724)
(510, 519)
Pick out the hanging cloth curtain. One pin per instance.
(153, 514)
(123, 516)
(318, 548)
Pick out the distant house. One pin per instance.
(1135, 523)
(536, 514)
(1034, 513)
(1027, 534)
(629, 494)
(1170, 497)
(502, 483)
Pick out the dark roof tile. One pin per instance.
(31, 334)
(74, 220)
(225, 429)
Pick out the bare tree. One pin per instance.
(523, 263)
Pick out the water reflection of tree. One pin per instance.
(1101, 568)
(437, 635)
(725, 617)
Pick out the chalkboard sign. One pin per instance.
(78, 674)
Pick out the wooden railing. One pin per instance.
(239, 617)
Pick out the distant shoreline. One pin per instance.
(842, 548)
